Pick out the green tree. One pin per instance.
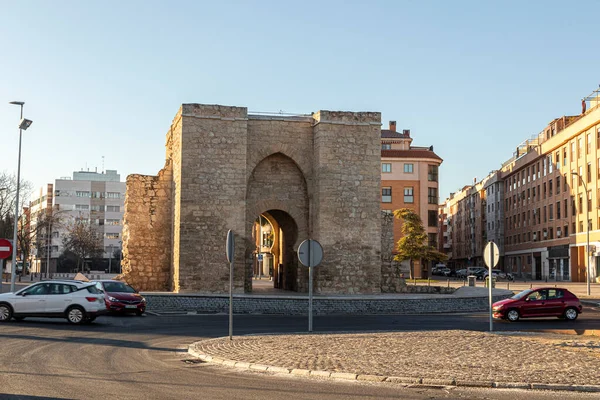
(413, 244)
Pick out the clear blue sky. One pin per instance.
(471, 78)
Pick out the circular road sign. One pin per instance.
(313, 248)
(5, 249)
(487, 253)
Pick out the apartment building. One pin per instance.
(540, 206)
(552, 191)
(409, 179)
(97, 197)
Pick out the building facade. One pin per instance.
(93, 196)
(542, 207)
(409, 179)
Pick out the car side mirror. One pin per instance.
(23, 294)
(527, 299)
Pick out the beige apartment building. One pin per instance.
(409, 179)
(539, 207)
(552, 191)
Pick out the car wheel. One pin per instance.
(512, 315)
(76, 315)
(5, 313)
(571, 314)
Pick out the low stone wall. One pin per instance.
(243, 304)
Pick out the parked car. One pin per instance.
(499, 275)
(539, 302)
(121, 298)
(461, 273)
(78, 302)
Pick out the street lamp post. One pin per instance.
(587, 222)
(120, 255)
(110, 254)
(23, 125)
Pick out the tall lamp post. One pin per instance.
(587, 222)
(23, 125)
(120, 255)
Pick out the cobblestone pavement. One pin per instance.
(458, 355)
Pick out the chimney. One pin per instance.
(406, 132)
(393, 126)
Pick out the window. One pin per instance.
(551, 233)
(113, 195)
(557, 156)
(573, 208)
(558, 185)
(589, 172)
(589, 143)
(386, 167)
(551, 212)
(432, 239)
(550, 163)
(81, 207)
(113, 208)
(579, 147)
(82, 194)
(566, 230)
(544, 186)
(545, 215)
(97, 195)
(112, 235)
(580, 203)
(558, 210)
(432, 173)
(432, 217)
(113, 222)
(550, 187)
(386, 194)
(100, 222)
(432, 195)
(408, 168)
(386, 146)
(564, 156)
(572, 151)
(98, 208)
(565, 208)
(580, 226)
(589, 200)
(55, 234)
(61, 288)
(408, 195)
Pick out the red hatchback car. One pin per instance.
(539, 302)
(122, 298)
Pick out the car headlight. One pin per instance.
(143, 300)
(110, 298)
(499, 307)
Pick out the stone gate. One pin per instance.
(312, 176)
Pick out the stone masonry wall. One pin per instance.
(212, 193)
(147, 231)
(347, 166)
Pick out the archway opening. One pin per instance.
(274, 261)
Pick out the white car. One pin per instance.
(78, 302)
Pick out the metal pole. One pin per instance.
(13, 272)
(310, 288)
(490, 285)
(231, 295)
(260, 245)
(587, 249)
(109, 257)
(49, 249)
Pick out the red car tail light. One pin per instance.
(91, 299)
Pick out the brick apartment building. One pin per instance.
(409, 179)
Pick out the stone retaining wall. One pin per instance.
(243, 304)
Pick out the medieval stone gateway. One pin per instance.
(314, 176)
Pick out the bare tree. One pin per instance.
(8, 195)
(83, 240)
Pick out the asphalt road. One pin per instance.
(146, 358)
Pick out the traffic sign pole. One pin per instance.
(310, 254)
(230, 245)
(5, 250)
(490, 277)
(310, 289)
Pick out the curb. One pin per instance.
(577, 332)
(402, 380)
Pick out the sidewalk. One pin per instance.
(461, 358)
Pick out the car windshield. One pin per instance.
(118, 287)
(522, 294)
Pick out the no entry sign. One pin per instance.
(5, 249)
